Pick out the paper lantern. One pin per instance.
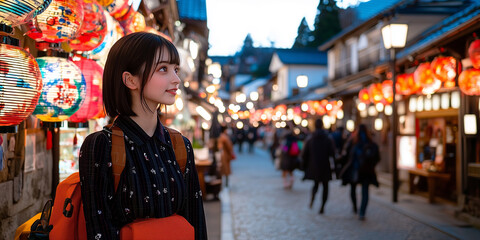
(93, 103)
(375, 92)
(118, 8)
(444, 70)
(20, 84)
(469, 81)
(474, 53)
(94, 27)
(152, 30)
(14, 13)
(406, 84)
(364, 96)
(114, 32)
(63, 91)
(135, 22)
(58, 23)
(105, 3)
(387, 91)
(424, 76)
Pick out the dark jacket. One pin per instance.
(288, 162)
(362, 159)
(316, 154)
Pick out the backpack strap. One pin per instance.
(178, 148)
(118, 153)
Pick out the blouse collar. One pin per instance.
(136, 134)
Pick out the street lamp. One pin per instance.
(394, 36)
(302, 81)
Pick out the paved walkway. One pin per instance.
(257, 207)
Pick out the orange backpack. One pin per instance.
(67, 217)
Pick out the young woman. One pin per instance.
(140, 76)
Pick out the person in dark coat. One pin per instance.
(363, 155)
(316, 154)
(288, 163)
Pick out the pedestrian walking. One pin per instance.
(227, 154)
(363, 154)
(339, 137)
(316, 154)
(289, 157)
(240, 138)
(140, 75)
(251, 138)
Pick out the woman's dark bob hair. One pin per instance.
(137, 53)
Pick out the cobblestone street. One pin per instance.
(262, 209)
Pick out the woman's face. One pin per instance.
(162, 87)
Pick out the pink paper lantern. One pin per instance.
(93, 103)
(94, 27)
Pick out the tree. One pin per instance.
(327, 23)
(304, 33)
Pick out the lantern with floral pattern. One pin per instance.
(469, 81)
(114, 32)
(20, 84)
(424, 76)
(58, 23)
(63, 91)
(93, 103)
(444, 69)
(94, 27)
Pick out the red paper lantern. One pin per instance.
(469, 81)
(94, 27)
(444, 70)
(93, 103)
(364, 96)
(58, 23)
(20, 84)
(118, 8)
(375, 92)
(474, 53)
(134, 22)
(406, 84)
(424, 76)
(387, 91)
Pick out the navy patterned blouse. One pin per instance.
(151, 184)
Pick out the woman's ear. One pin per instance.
(129, 80)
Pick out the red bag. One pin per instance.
(294, 149)
(149, 229)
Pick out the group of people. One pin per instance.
(353, 158)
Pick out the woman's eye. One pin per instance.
(162, 69)
(177, 70)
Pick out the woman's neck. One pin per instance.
(146, 120)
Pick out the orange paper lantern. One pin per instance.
(424, 76)
(406, 84)
(364, 96)
(444, 70)
(474, 53)
(375, 92)
(469, 81)
(387, 91)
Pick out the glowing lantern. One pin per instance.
(364, 96)
(93, 103)
(469, 81)
(152, 30)
(20, 11)
(94, 27)
(58, 23)
(406, 84)
(375, 92)
(118, 8)
(444, 70)
(63, 91)
(134, 22)
(20, 84)
(387, 91)
(474, 53)
(424, 76)
(105, 3)
(114, 32)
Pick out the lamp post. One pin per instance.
(394, 37)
